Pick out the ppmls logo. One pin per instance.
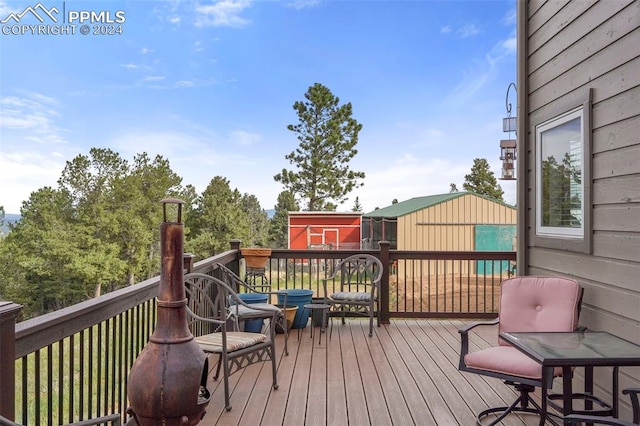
(38, 11)
(41, 20)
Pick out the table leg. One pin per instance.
(322, 326)
(614, 390)
(588, 386)
(567, 391)
(547, 372)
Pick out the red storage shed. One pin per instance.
(324, 230)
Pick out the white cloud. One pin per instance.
(153, 78)
(198, 154)
(303, 4)
(243, 138)
(468, 30)
(510, 44)
(145, 50)
(35, 112)
(224, 13)
(511, 17)
(25, 172)
(405, 178)
(31, 147)
(482, 72)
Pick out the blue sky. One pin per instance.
(210, 85)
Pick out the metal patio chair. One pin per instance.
(213, 311)
(266, 309)
(358, 279)
(526, 304)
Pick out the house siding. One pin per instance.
(570, 48)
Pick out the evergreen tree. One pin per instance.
(328, 136)
(217, 218)
(482, 181)
(258, 222)
(357, 207)
(279, 224)
(97, 231)
(561, 203)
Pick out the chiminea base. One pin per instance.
(191, 419)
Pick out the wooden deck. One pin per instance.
(406, 374)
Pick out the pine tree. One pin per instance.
(482, 181)
(328, 136)
(279, 224)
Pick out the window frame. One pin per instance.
(571, 239)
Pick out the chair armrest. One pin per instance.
(209, 320)
(238, 301)
(464, 338)
(466, 328)
(576, 419)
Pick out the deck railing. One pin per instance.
(73, 364)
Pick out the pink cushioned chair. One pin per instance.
(527, 304)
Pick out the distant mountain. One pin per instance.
(8, 218)
(270, 213)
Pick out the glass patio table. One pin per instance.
(586, 349)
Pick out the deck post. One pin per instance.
(384, 283)
(8, 313)
(235, 267)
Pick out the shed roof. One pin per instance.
(418, 203)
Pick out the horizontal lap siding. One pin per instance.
(451, 225)
(573, 47)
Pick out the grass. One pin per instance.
(81, 376)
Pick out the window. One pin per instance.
(560, 201)
(562, 188)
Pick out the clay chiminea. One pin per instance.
(167, 382)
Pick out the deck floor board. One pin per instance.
(405, 374)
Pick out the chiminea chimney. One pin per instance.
(167, 382)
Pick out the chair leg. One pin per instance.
(227, 397)
(371, 323)
(215, 376)
(273, 365)
(286, 334)
(520, 405)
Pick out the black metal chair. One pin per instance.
(266, 309)
(359, 281)
(579, 419)
(526, 304)
(213, 309)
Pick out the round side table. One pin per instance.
(325, 310)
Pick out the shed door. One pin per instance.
(494, 238)
(330, 237)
